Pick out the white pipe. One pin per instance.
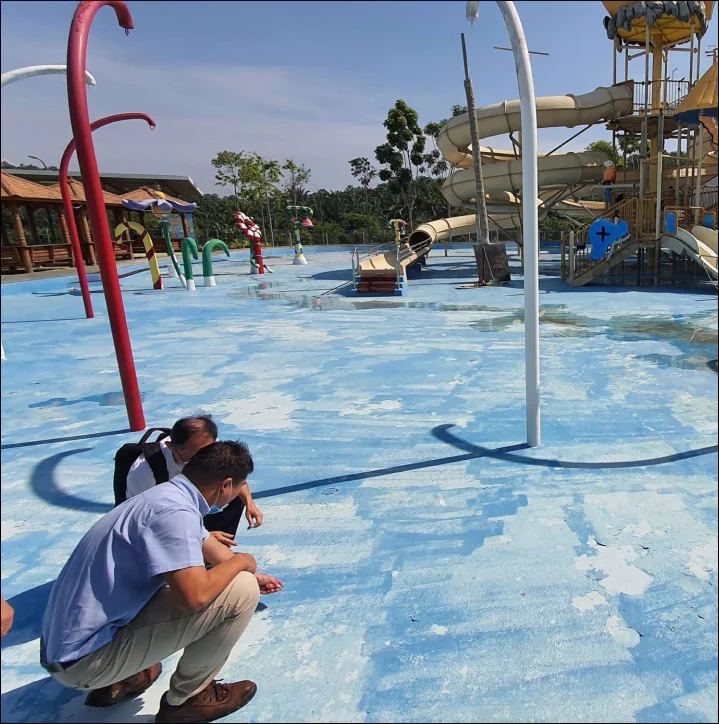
(531, 218)
(32, 70)
(210, 281)
(2, 350)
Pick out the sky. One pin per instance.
(311, 81)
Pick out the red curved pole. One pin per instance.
(80, 120)
(67, 201)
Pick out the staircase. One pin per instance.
(639, 214)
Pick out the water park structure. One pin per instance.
(414, 506)
(662, 201)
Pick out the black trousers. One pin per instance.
(227, 520)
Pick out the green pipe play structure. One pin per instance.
(208, 276)
(189, 252)
(174, 269)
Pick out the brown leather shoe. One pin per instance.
(213, 702)
(126, 689)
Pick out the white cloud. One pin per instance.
(310, 115)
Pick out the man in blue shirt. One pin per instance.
(136, 589)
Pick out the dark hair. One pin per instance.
(225, 459)
(188, 427)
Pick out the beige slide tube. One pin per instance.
(700, 245)
(602, 104)
(418, 243)
(561, 170)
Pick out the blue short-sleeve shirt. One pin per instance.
(118, 567)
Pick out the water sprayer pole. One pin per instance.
(530, 192)
(79, 119)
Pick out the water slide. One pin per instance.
(700, 244)
(418, 244)
(560, 175)
(559, 170)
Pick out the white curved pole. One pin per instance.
(33, 70)
(530, 192)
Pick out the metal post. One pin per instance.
(571, 257)
(77, 101)
(481, 206)
(530, 213)
(658, 209)
(563, 245)
(645, 120)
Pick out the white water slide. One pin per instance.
(700, 245)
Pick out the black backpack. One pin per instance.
(129, 452)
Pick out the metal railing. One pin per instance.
(672, 92)
(638, 213)
(359, 256)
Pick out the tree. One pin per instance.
(364, 172)
(296, 176)
(270, 177)
(626, 142)
(403, 154)
(238, 170)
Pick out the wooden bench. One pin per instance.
(11, 261)
(51, 254)
(41, 255)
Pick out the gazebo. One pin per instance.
(20, 198)
(113, 205)
(30, 207)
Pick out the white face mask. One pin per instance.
(214, 508)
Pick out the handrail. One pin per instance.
(639, 213)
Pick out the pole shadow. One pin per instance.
(44, 485)
(441, 432)
(69, 438)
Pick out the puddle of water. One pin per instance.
(697, 345)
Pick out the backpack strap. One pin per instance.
(156, 460)
(164, 432)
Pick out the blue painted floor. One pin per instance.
(435, 570)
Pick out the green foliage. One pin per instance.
(363, 171)
(628, 142)
(296, 177)
(402, 156)
(408, 185)
(240, 171)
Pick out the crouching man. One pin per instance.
(136, 589)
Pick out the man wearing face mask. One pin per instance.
(136, 590)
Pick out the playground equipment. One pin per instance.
(67, 200)
(161, 206)
(207, 274)
(141, 231)
(666, 206)
(189, 252)
(295, 212)
(658, 106)
(253, 234)
(80, 120)
(31, 71)
(399, 226)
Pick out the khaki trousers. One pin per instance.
(159, 630)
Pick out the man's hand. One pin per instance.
(224, 538)
(268, 584)
(254, 515)
(8, 613)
